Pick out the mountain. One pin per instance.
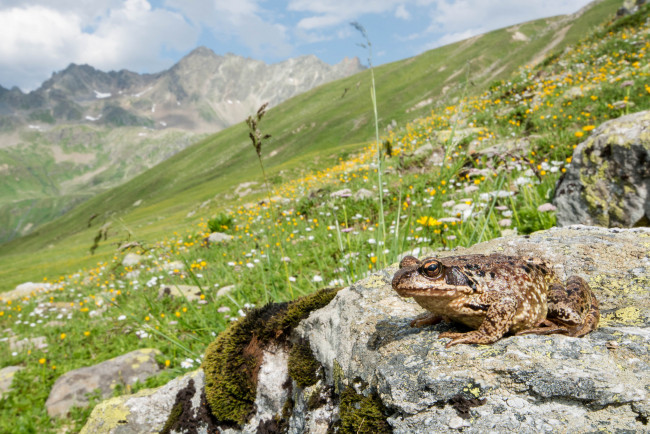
(86, 130)
(203, 92)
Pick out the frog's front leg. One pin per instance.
(426, 319)
(497, 322)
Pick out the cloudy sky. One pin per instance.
(38, 37)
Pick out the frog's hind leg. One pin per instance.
(572, 310)
(545, 327)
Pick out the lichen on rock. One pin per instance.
(608, 182)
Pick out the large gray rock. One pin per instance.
(608, 182)
(71, 389)
(526, 384)
(7, 377)
(146, 411)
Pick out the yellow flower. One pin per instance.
(588, 127)
(86, 333)
(579, 134)
(178, 314)
(63, 335)
(167, 363)
(42, 361)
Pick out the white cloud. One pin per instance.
(243, 20)
(334, 12)
(37, 39)
(402, 13)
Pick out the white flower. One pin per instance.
(121, 317)
(372, 241)
(317, 278)
(223, 309)
(232, 264)
(249, 265)
(187, 363)
(292, 279)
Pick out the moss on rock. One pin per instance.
(233, 360)
(362, 414)
(302, 365)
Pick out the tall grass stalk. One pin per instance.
(373, 96)
(257, 139)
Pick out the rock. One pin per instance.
(222, 292)
(191, 293)
(26, 289)
(131, 259)
(37, 343)
(346, 192)
(426, 150)
(363, 193)
(175, 265)
(148, 410)
(71, 389)
(608, 182)
(218, 237)
(7, 377)
(529, 383)
(375, 372)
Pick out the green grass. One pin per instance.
(470, 197)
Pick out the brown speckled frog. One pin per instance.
(496, 294)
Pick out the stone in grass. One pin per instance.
(218, 237)
(608, 182)
(37, 343)
(131, 259)
(26, 289)
(6, 378)
(363, 193)
(192, 293)
(149, 410)
(71, 389)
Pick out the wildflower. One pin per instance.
(42, 361)
(167, 363)
(317, 278)
(187, 363)
(86, 333)
(545, 207)
(579, 134)
(63, 335)
(121, 317)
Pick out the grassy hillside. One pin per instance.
(308, 131)
(491, 162)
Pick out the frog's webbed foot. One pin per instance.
(426, 319)
(473, 337)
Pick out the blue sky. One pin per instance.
(42, 36)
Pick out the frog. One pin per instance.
(495, 295)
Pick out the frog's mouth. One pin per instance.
(408, 282)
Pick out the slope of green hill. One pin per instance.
(308, 131)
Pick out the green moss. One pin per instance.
(362, 414)
(173, 417)
(302, 364)
(232, 361)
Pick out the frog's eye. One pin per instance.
(432, 269)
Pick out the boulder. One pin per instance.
(147, 411)
(7, 377)
(608, 182)
(362, 194)
(71, 389)
(218, 237)
(131, 259)
(26, 289)
(190, 292)
(37, 343)
(362, 368)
